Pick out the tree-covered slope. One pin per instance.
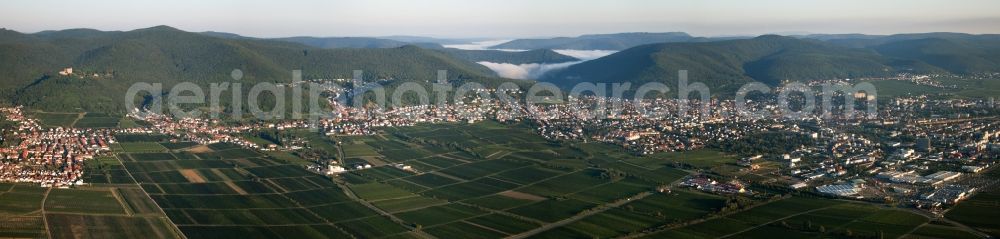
(955, 55)
(519, 57)
(354, 42)
(166, 55)
(958, 53)
(725, 65)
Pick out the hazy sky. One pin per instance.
(507, 18)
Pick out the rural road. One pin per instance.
(774, 221)
(579, 216)
(45, 220)
(350, 194)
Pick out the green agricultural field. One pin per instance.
(56, 119)
(652, 211)
(318, 141)
(345, 211)
(389, 144)
(137, 202)
(404, 154)
(407, 185)
(437, 215)
(223, 146)
(287, 157)
(499, 202)
(126, 123)
(552, 210)
(378, 191)
(178, 145)
(294, 184)
(372, 227)
(704, 158)
(930, 231)
(142, 147)
(89, 212)
(70, 226)
(978, 88)
(462, 230)
(503, 223)
(232, 191)
(358, 150)
(22, 199)
(93, 120)
(980, 211)
(407, 203)
(566, 184)
(529, 175)
(431, 180)
(83, 201)
(26, 226)
(382, 173)
(236, 153)
(103, 170)
(151, 156)
(484, 180)
(612, 191)
(799, 217)
(482, 168)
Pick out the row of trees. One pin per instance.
(808, 226)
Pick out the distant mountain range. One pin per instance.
(618, 41)
(345, 42)
(355, 42)
(771, 59)
(512, 57)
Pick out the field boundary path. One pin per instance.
(78, 117)
(579, 216)
(177, 229)
(45, 220)
(930, 216)
(352, 196)
(963, 226)
(777, 220)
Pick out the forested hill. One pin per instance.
(726, 65)
(958, 53)
(512, 57)
(355, 42)
(331, 42)
(167, 55)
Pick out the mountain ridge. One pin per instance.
(615, 41)
(728, 64)
(166, 55)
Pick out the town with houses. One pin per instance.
(915, 150)
(500, 119)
